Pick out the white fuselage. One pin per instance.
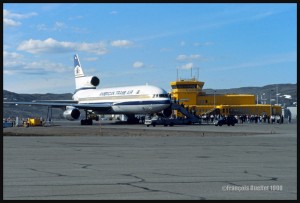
(143, 99)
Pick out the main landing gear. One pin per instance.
(48, 121)
(88, 119)
(131, 119)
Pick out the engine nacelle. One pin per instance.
(71, 114)
(95, 81)
(87, 82)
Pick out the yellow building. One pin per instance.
(190, 93)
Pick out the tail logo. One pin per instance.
(77, 67)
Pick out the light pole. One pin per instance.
(263, 99)
(270, 103)
(277, 94)
(277, 98)
(214, 99)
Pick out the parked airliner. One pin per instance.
(128, 100)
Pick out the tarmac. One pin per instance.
(134, 162)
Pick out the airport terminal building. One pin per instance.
(189, 93)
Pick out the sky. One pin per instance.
(227, 45)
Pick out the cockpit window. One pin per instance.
(161, 95)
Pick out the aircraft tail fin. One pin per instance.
(82, 81)
(77, 67)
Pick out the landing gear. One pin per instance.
(132, 119)
(48, 121)
(87, 120)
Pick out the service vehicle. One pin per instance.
(158, 120)
(230, 120)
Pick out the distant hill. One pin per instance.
(23, 111)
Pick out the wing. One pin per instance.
(64, 103)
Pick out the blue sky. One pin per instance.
(232, 45)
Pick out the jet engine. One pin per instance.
(87, 82)
(71, 114)
(95, 81)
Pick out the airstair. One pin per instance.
(211, 111)
(182, 110)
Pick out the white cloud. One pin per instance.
(8, 72)
(52, 46)
(138, 64)
(182, 43)
(114, 12)
(9, 14)
(262, 15)
(184, 57)
(91, 59)
(41, 27)
(75, 17)
(15, 63)
(59, 25)
(10, 22)
(10, 19)
(181, 57)
(198, 44)
(11, 55)
(121, 43)
(187, 66)
(45, 66)
(44, 84)
(11, 60)
(195, 56)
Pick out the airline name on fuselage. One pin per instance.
(125, 92)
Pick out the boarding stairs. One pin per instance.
(211, 111)
(185, 112)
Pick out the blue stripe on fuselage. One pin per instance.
(144, 102)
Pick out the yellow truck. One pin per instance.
(33, 122)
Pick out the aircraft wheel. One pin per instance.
(86, 122)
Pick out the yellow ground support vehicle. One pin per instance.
(33, 122)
